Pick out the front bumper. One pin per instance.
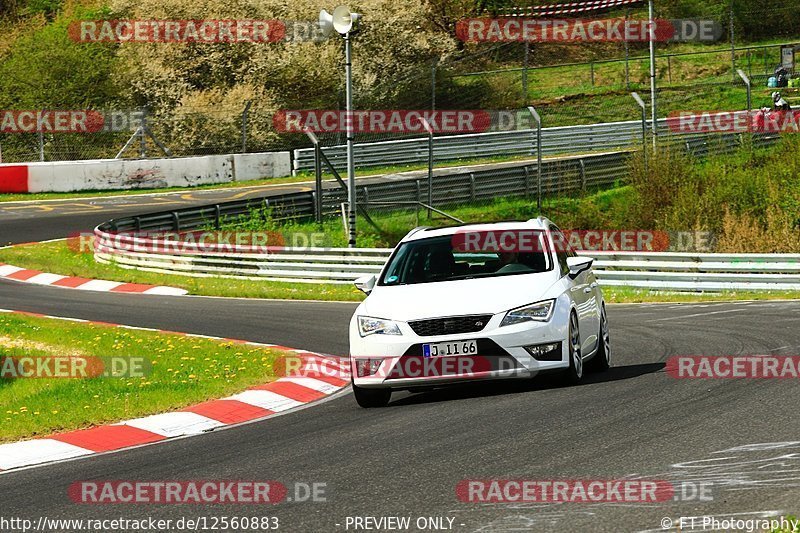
(396, 361)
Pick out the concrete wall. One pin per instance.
(107, 174)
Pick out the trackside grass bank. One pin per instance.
(178, 371)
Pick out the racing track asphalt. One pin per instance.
(406, 460)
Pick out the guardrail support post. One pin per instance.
(527, 182)
(538, 120)
(472, 186)
(176, 221)
(583, 174)
(217, 217)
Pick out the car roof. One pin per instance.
(540, 223)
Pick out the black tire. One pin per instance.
(574, 374)
(369, 398)
(602, 359)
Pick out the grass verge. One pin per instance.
(58, 258)
(184, 371)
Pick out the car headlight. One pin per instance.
(369, 326)
(539, 312)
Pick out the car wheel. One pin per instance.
(602, 359)
(371, 397)
(574, 373)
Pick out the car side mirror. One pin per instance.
(366, 283)
(578, 264)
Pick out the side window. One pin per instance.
(562, 249)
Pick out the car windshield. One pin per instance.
(435, 259)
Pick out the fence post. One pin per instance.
(142, 135)
(591, 71)
(433, 83)
(41, 144)
(317, 175)
(733, 43)
(525, 75)
(746, 81)
(318, 181)
(644, 127)
(627, 54)
(244, 125)
(669, 68)
(429, 129)
(538, 120)
(583, 174)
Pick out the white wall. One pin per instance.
(104, 174)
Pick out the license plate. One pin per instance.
(450, 349)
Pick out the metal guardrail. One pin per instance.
(555, 141)
(649, 270)
(449, 188)
(652, 270)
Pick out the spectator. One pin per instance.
(778, 103)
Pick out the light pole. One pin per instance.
(344, 22)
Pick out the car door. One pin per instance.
(582, 291)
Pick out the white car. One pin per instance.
(482, 301)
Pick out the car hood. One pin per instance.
(454, 298)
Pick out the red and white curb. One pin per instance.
(259, 402)
(36, 277)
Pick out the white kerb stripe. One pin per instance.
(175, 424)
(7, 270)
(265, 400)
(17, 454)
(98, 285)
(312, 383)
(167, 291)
(45, 278)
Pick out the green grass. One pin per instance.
(185, 371)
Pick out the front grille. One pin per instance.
(449, 325)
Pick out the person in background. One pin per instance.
(778, 103)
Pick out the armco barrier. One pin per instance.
(105, 174)
(651, 270)
(560, 140)
(450, 186)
